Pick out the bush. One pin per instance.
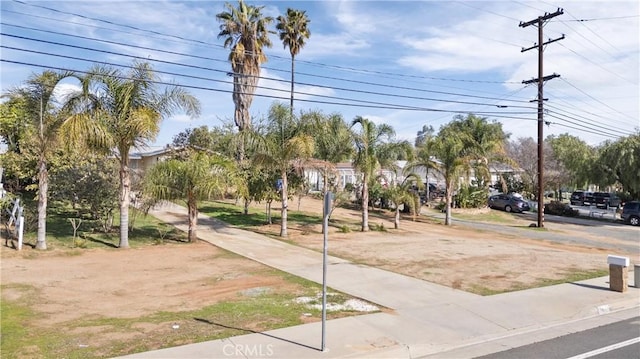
(471, 197)
(560, 209)
(378, 227)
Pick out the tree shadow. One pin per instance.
(250, 331)
(100, 241)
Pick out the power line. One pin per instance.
(602, 18)
(594, 33)
(372, 105)
(592, 122)
(573, 106)
(344, 68)
(225, 61)
(222, 71)
(563, 117)
(597, 64)
(595, 99)
(583, 130)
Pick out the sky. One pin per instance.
(408, 64)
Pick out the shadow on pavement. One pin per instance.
(591, 286)
(254, 332)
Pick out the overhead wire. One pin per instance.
(225, 61)
(597, 64)
(232, 74)
(584, 130)
(571, 119)
(344, 68)
(595, 99)
(586, 119)
(364, 105)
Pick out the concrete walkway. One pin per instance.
(428, 319)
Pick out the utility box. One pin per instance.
(636, 275)
(618, 273)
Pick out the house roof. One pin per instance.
(148, 151)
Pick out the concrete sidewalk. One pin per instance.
(428, 319)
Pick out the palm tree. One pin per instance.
(423, 158)
(199, 176)
(333, 142)
(465, 143)
(448, 147)
(292, 153)
(45, 115)
(404, 192)
(374, 150)
(124, 111)
(244, 30)
(293, 32)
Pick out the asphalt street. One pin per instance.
(617, 340)
(623, 237)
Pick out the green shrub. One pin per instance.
(560, 209)
(471, 197)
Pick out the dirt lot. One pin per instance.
(474, 260)
(82, 283)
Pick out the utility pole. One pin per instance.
(539, 22)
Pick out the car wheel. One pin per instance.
(634, 221)
(508, 208)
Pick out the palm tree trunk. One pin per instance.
(125, 190)
(245, 209)
(447, 217)
(283, 196)
(365, 204)
(43, 189)
(292, 76)
(396, 221)
(193, 220)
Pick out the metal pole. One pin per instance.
(540, 127)
(325, 230)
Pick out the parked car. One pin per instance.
(508, 202)
(631, 213)
(606, 200)
(580, 198)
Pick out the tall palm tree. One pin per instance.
(123, 111)
(449, 147)
(293, 31)
(199, 176)
(292, 153)
(375, 149)
(45, 116)
(244, 29)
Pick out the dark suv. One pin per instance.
(580, 198)
(631, 213)
(605, 200)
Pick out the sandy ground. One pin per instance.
(130, 283)
(456, 256)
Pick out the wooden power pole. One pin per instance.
(539, 22)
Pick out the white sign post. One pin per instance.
(20, 232)
(17, 219)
